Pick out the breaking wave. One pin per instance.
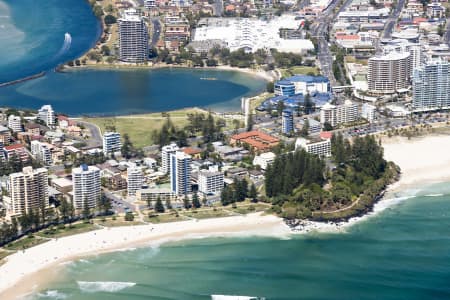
(103, 286)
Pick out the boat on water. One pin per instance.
(225, 297)
(208, 78)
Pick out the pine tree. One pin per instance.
(159, 207)
(195, 201)
(253, 193)
(168, 204)
(186, 202)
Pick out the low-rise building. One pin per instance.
(339, 114)
(257, 140)
(15, 123)
(319, 147)
(264, 160)
(210, 182)
(152, 194)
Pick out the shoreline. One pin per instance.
(416, 173)
(16, 282)
(66, 249)
(128, 67)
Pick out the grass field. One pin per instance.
(26, 242)
(56, 232)
(140, 127)
(299, 70)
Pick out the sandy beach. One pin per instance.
(18, 275)
(423, 160)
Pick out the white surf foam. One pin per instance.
(103, 286)
(225, 297)
(53, 294)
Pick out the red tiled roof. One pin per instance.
(255, 133)
(192, 151)
(13, 147)
(326, 135)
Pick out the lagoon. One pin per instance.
(115, 92)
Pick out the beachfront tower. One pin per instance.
(287, 122)
(47, 115)
(135, 180)
(111, 143)
(133, 37)
(431, 86)
(28, 190)
(180, 173)
(86, 186)
(41, 152)
(166, 151)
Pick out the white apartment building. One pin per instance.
(389, 73)
(180, 173)
(339, 114)
(368, 112)
(28, 190)
(149, 4)
(15, 123)
(431, 86)
(41, 152)
(133, 37)
(264, 160)
(210, 182)
(166, 151)
(135, 180)
(151, 195)
(111, 143)
(47, 115)
(321, 148)
(86, 186)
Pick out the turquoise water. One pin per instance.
(32, 39)
(32, 35)
(401, 253)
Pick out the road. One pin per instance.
(96, 139)
(156, 28)
(218, 8)
(319, 29)
(391, 21)
(447, 33)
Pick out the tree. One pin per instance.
(305, 128)
(110, 19)
(127, 147)
(195, 201)
(129, 217)
(168, 204)
(309, 104)
(105, 50)
(86, 210)
(186, 202)
(249, 122)
(327, 126)
(270, 87)
(280, 107)
(159, 207)
(253, 193)
(64, 209)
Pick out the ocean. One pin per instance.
(37, 36)
(402, 252)
(32, 35)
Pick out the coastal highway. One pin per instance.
(389, 26)
(156, 28)
(319, 30)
